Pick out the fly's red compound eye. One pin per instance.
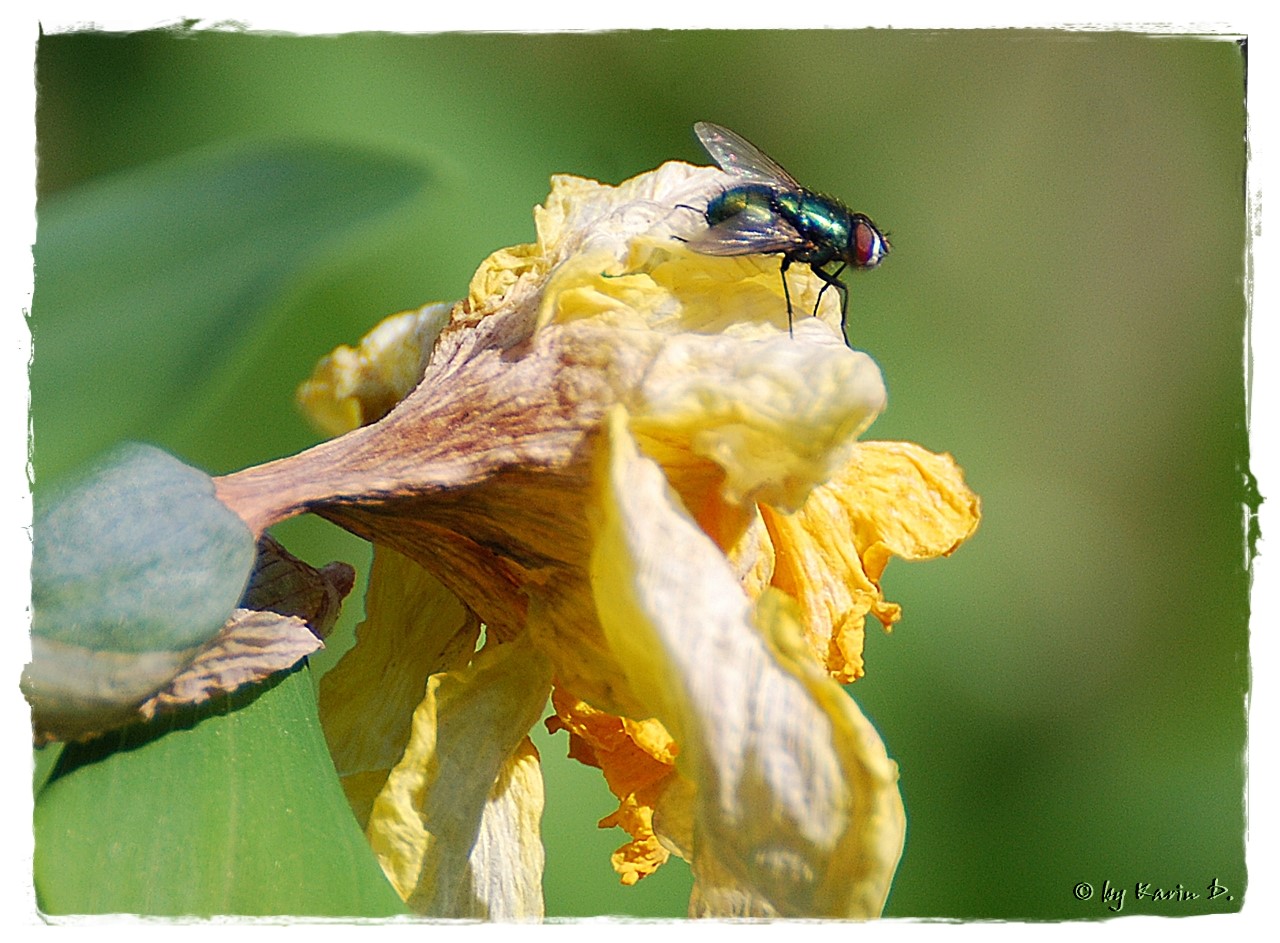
(869, 246)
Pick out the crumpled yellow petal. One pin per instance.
(637, 759)
(413, 628)
(352, 387)
(890, 499)
(797, 812)
(749, 551)
(456, 825)
(777, 415)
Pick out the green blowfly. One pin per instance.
(769, 212)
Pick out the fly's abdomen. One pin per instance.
(731, 202)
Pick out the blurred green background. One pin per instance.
(1063, 311)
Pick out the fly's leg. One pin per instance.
(829, 280)
(786, 292)
(692, 209)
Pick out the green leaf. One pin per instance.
(231, 808)
(133, 569)
(153, 284)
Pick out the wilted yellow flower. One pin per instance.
(613, 463)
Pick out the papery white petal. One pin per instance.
(797, 811)
(432, 826)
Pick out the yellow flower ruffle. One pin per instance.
(352, 387)
(637, 759)
(833, 550)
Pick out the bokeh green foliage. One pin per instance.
(137, 565)
(1063, 311)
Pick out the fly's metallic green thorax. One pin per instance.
(770, 213)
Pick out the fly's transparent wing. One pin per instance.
(739, 157)
(753, 231)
